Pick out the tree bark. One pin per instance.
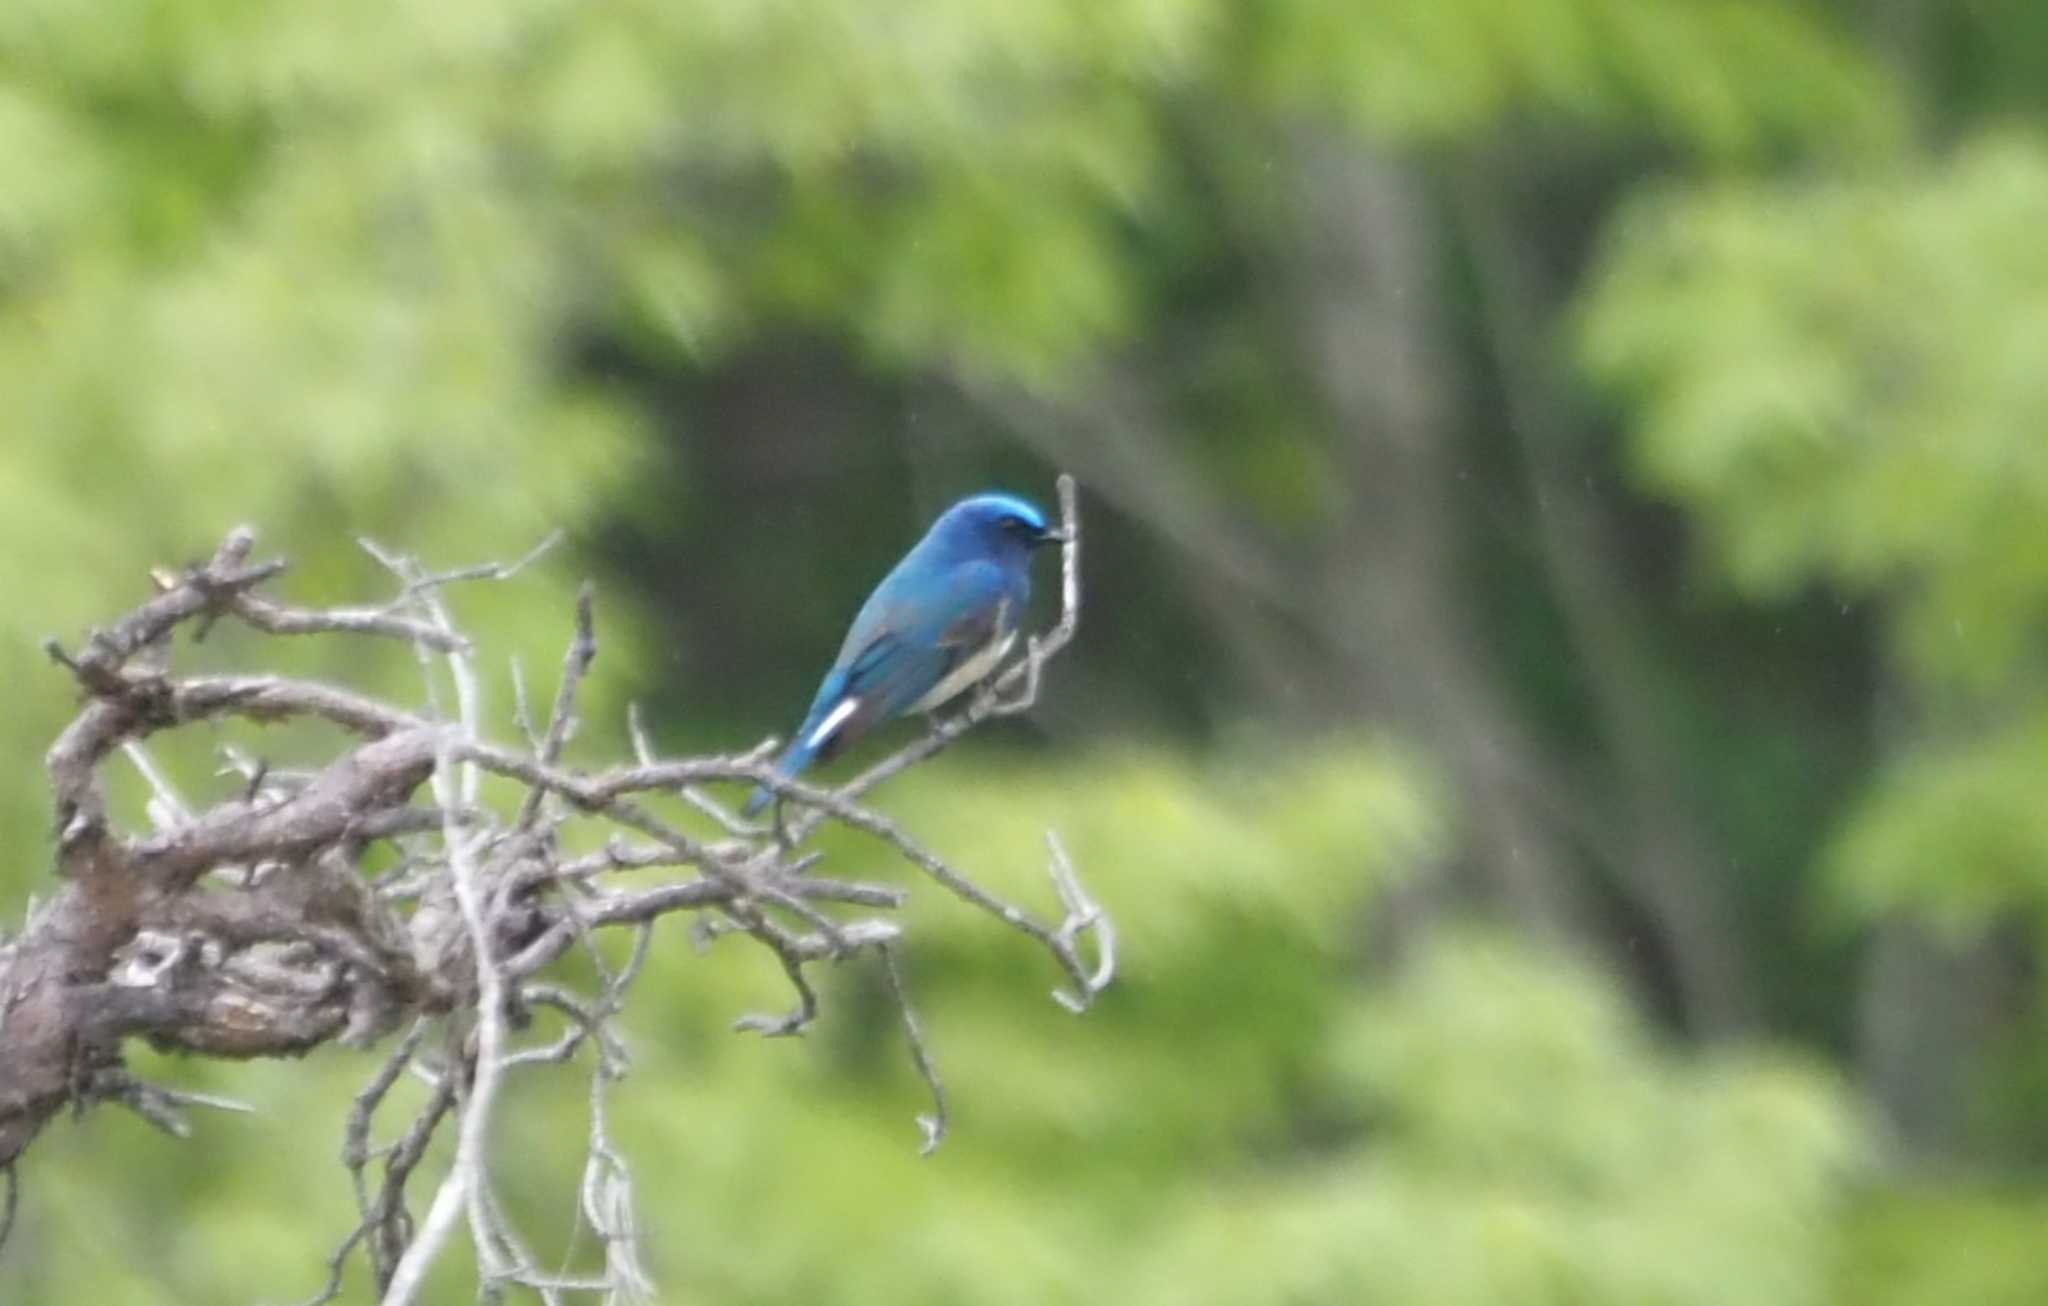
(1363, 296)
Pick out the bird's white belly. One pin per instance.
(967, 673)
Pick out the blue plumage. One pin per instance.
(938, 623)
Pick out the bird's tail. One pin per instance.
(819, 736)
(792, 762)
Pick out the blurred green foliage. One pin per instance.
(1838, 379)
(736, 292)
(1881, 432)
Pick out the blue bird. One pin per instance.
(935, 625)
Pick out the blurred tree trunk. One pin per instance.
(1363, 298)
(1660, 859)
(1925, 1006)
(1925, 1013)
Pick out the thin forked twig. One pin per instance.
(1084, 917)
(355, 1155)
(159, 1105)
(561, 721)
(933, 1125)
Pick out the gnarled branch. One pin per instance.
(240, 924)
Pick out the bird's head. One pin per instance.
(996, 524)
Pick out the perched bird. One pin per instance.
(935, 625)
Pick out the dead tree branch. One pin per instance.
(240, 924)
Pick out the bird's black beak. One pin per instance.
(1049, 536)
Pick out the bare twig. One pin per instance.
(606, 1196)
(790, 953)
(1060, 940)
(9, 1207)
(933, 1125)
(392, 1230)
(689, 793)
(419, 583)
(167, 809)
(467, 1182)
(155, 1103)
(1083, 917)
(561, 722)
(355, 1155)
(355, 1143)
(280, 619)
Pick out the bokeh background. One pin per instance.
(1561, 715)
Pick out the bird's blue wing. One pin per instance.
(917, 627)
(913, 635)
